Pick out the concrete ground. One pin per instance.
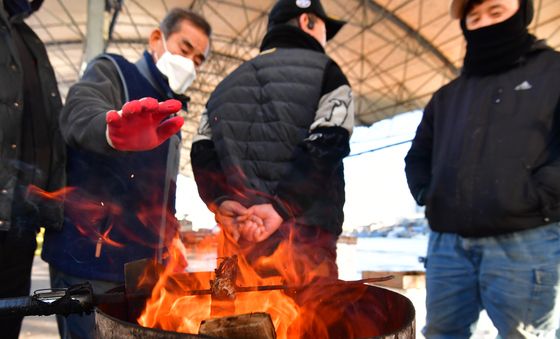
(39, 327)
(43, 327)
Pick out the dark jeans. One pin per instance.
(17, 248)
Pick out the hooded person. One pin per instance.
(497, 47)
(267, 158)
(485, 162)
(123, 139)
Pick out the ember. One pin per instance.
(223, 287)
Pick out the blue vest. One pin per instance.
(115, 213)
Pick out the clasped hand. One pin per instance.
(253, 224)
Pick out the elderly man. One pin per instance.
(122, 165)
(486, 163)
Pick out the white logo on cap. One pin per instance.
(303, 3)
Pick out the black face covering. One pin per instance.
(498, 47)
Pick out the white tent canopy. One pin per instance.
(396, 53)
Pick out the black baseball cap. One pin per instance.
(285, 10)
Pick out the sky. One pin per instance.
(376, 189)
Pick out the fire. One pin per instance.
(297, 305)
(170, 309)
(289, 281)
(87, 213)
(303, 306)
(84, 210)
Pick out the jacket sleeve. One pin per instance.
(320, 155)
(419, 158)
(208, 174)
(82, 120)
(547, 173)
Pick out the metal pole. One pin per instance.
(95, 35)
(172, 167)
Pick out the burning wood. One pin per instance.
(223, 287)
(244, 326)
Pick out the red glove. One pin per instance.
(139, 127)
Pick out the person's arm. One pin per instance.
(96, 120)
(83, 118)
(419, 158)
(547, 175)
(319, 155)
(211, 182)
(208, 174)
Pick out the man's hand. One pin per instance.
(227, 216)
(139, 127)
(262, 222)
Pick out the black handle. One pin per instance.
(74, 300)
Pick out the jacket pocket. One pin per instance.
(506, 189)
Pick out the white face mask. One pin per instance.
(180, 71)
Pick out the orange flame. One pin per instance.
(170, 309)
(88, 213)
(308, 310)
(84, 210)
(304, 309)
(319, 308)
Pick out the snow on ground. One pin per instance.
(380, 254)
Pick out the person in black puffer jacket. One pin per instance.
(486, 163)
(268, 155)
